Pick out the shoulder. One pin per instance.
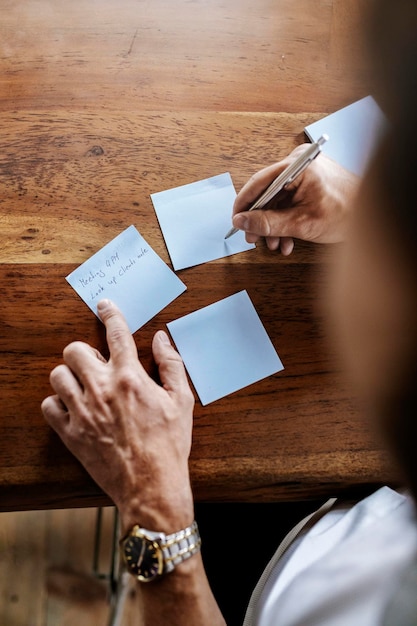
(361, 553)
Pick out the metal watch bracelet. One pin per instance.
(180, 546)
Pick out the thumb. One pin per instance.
(170, 364)
(268, 222)
(254, 222)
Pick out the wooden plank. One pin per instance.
(46, 570)
(101, 108)
(23, 568)
(74, 594)
(71, 181)
(303, 413)
(231, 56)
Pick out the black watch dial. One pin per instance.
(143, 557)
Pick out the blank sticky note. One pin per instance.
(354, 133)
(194, 220)
(225, 347)
(129, 272)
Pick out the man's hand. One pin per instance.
(315, 207)
(132, 435)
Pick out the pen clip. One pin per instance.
(317, 145)
(297, 172)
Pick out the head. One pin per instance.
(375, 281)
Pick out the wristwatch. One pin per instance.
(149, 555)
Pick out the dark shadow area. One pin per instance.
(238, 540)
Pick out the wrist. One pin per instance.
(149, 555)
(160, 512)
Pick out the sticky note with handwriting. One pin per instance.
(129, 272)
(225, 347)
(194, 220)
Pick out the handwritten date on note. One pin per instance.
(129, 272)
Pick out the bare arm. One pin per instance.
(315, 207)
(134, 437)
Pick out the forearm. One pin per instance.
(181, 598)
(133, 436)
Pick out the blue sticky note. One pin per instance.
(129, 272)
(354, 133)
(225, 347)
(194, 220)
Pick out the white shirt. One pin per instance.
(345, 568)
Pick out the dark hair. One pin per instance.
(393, 40)
(392, 35)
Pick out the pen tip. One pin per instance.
(231, 232)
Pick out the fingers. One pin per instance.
(67, 386)
(255, 186)
(286, 245)
(273, 243)
(82, 358)
(262, 179)
(55, 412)
(171, 367)
(119, 338)
(86, 361)
(265, 223)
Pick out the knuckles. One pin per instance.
(58, 375)
(127, 380)
(73, 347)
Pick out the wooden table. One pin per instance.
(102, 104)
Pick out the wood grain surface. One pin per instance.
(103, 103)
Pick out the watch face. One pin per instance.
(143, 557)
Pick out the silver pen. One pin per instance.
(286, 177)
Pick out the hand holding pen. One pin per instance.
(315, 209)
(286, 177)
